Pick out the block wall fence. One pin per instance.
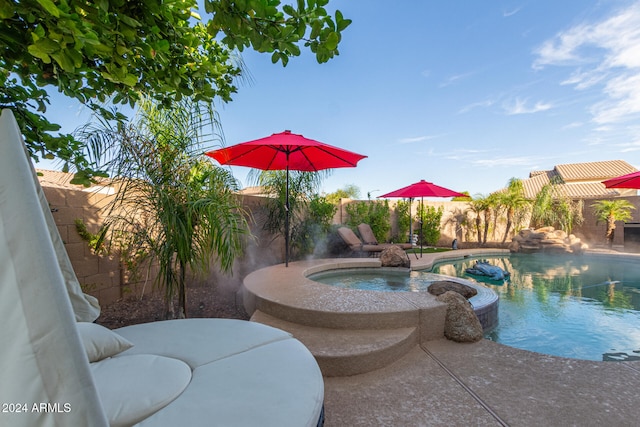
(105, 277)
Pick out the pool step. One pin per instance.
(343, 352)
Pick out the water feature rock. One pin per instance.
(461, 323)
(442, 286)
(546, 239)
(394, 256)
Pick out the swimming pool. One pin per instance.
(584, 307)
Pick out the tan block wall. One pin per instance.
(458, 223)
(103, 276)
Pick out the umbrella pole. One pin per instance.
(286, 220)
(421, 215)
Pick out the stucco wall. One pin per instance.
(105, 277)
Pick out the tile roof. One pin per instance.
(581, 180)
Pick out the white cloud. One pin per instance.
(572, 125)
(417, 139)
(508, 13)
(453, 79)
(519, 106)
(607, 54)
(506, 161)
(482, 104)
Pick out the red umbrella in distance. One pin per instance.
(422, 189)
(286, 151)
(630, 180)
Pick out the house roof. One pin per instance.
(581, 180)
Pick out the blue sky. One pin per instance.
(462, 94)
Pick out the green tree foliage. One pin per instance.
(462, 199)
(514, 204)
(403, 217)
(430, 217)
(303, 188)
(376, 213)
(484, 207)
(552, 207)
(349, 191)
(316, 225)
(611, 211)
(174, 204)
(121, 51)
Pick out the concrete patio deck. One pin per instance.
(442, 383)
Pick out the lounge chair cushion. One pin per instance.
(236, 365)
(366, 233)
(100, 342)
(131, 388)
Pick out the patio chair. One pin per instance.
(355, 244)
(366, 233)
(59, 368)
(369, 238)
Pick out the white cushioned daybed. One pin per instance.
(57, 368)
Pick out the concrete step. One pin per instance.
(342, 352)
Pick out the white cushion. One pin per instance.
(131, 388)
(199, 341)
(100, 342)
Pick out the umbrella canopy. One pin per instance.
(286, 151)
(630, 180)
(422, 189)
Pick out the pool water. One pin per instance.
(378, 279)
(584, 307)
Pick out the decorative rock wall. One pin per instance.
(546, 239)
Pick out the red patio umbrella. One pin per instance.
(630, 180)
(286, 151)
(422, 189)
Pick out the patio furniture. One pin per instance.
(60, 369)
(355, 244)
(369, 238)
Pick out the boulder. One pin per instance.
(394, 256)
(461, 323)
(442, 286)
(546, 239)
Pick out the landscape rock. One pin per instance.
(442, 286)
(546, 239)
(461, 323)
(394, 256)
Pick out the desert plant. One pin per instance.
(302, 188)
(611, 211)
(552, 207)
(376, 213)
(514, 204)
(403, 217)
(315, 227)
(430, 217)
(181, 209)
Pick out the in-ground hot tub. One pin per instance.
(384, 279)
(291, 294)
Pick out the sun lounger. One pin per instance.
(60, 369)
(356, 245)
(368, 238)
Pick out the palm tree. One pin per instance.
(515, 203)
(612, 211)
(552, 207)
(180, 208)
(477, 205)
